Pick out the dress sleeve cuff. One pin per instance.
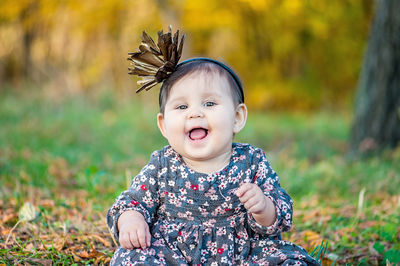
(272, 229)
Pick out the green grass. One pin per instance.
(79, 149)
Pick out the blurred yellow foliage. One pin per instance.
(290, 54)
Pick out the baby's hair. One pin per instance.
(204, 66)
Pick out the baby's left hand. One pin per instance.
(261, 207)
(252, 198)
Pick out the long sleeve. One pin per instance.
(141, 196)
(267, 179)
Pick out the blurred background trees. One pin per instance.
(377, 112)
(291, 54)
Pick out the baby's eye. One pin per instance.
(209, 104)
(181, 107)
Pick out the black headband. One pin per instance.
(227, 68)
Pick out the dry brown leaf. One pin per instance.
(92, 254)
(59, 244)
(102, 240)
(47, 203)
(29, 247)
(8, 217)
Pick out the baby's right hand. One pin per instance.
(133, 230)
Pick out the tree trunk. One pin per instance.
(377, 111)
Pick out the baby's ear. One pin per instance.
(240, 118)
(160, 124)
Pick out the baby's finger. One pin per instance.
(242, 189)
(247, 196)
(148, 236)
(142, 238)
(125, 241)
(254, 205)
(134, 239)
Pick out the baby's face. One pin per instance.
(200, 117)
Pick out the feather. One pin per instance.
(149, 41)
(155, 62)
(148, 58)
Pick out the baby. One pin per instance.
(204, 199)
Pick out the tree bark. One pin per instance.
(377, 111)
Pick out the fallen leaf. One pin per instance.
(27, 212)
(102, 240)
(29, 247)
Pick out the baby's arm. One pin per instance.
(260, 206)
(276, 217)
(135, 208)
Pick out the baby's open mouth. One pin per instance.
(198, 133)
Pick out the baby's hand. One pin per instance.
(133, 230)
(252, 197)
(254, 200)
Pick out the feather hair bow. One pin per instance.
(155, 63)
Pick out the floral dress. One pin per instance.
(196, 219)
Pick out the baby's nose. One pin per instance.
(195, 113)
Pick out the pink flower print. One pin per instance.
(187, 184)
(201, 187)
(143, 187)
(183, 191)
(210, 192)
(190, 201)
(210, 223)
